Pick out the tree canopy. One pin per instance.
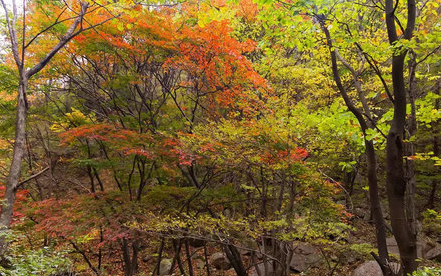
(220, 137)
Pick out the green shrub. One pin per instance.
(41, 262)
(427, 271)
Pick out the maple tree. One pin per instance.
(162, 134)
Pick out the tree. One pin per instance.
(185, 128)
(366, 121)
(18, 48)
(402, 221)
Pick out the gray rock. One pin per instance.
(434, 254)
(370, 268)
(305, 256)
(351, 258)
(361, 213)
(392, 247)
(165, 266)
(261, 268)
(421, 249)
(220, 261)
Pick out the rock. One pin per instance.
(361, 213)
(421, 249)
(351, 258)
(434, 254)
(146, 259)
(165, 266)
(385, 209)
(304, 256)
(392, 247)
(261, 268)
(220, 261)
(370, 268)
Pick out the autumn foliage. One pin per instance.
(172, 131)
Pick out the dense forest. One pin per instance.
(220, 137)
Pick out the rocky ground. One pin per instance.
(314, 260)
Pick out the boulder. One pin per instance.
(421, 249)
(370, 268)
(304, 256)
(434, 254)
(165, 266)
(392, 247)
(351, 258)
(261, 268)
(361, 213)
(220, 261)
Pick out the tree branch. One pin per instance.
(63, 41)
(12, 32)
(32, 177)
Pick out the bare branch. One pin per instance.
(48, 28)
(12, 32)
(23, 35)
(429, 54)
(32, 177)
(63, 41)
(357, 84)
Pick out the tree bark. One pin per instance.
(409, 148)
(395, 176)
(375, 205)
(235, 259)
(17, 157)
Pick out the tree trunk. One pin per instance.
(395, 176)
(235, 259)
(15, 169)
(409, 148)
(374, 200)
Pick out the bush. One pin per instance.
(41, 262)
(427, 271)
